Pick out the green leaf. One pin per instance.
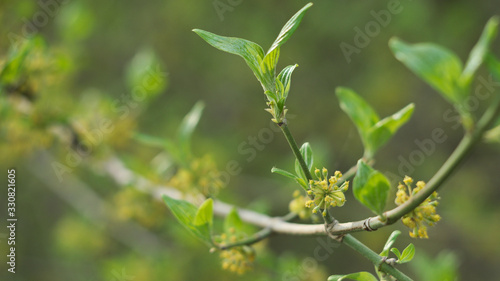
(302, 183)
(360, 112)
(233, 220)
(396, 252)
(268, 67)
(187, 127)
(494, 66)
(143, 72)
(289, 28)
(251, 52)
(185, 213)
(167, 144)
(307, 154)
(359, 276)
(18, 53)
(408, 254)
(205, 214)
(383, 130)
(390, 241)
(437, 66)
(480, 50)
(149, 140)
(283, 173)
(285, 77)
(371, 188)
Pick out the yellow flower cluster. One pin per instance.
(133, 204)
(200, 176)
(236, 259)
(297, 205)
(422, 216)
(325, 192)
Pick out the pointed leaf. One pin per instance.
(360, 112)
(306, 152)
(298, 170)
(383, 130)
(187, 127)
(302, 183)
(251, 52)
(185, 213)
(285, 77)
(205, 213)
(480, 50)
(283, 173)
(167, 144)
(233, 220)
(268, 67)
(396, 252)
(289, 28)
(371, 188)
(408, 254)
(390, 241)
(437, 66)
(359, 276)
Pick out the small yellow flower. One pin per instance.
(422, 216)
(325, 191)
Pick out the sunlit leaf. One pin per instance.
(408, 254)
(205, 213)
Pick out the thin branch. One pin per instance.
(296, 151)
(366, 252)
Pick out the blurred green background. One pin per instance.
(90, 51)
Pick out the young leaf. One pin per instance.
(359, 276)
(407, 254)
(187, 127)
(480, 50)
(185, 213)
(396, 252)
(383, 130)
(205, 213)
(392, 239)
(268, 65)
(289, 28)
(360, 112)
(307, 154)
(251, 52)
(145, 68)
(233, 220)
(371, 188)
(437, 66)
(167, 144)
(283, 173)
(285, 77)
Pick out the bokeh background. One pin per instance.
(91, 51)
